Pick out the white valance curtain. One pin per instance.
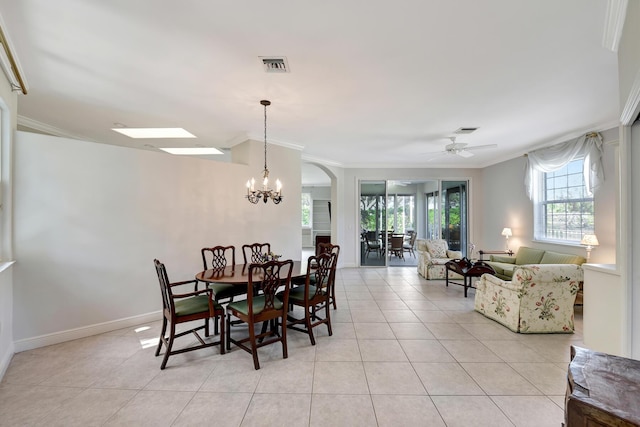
(553, 158)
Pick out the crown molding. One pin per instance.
(325, 162)
(614, 23)
(632, 106)
(49, 130)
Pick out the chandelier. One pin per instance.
(264, 194)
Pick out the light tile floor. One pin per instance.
(405, 351)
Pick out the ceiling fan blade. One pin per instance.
(481, 147)
(464, 153)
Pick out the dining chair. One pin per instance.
(396, 246)
(263, 306)
(254, 252)
(372, 244)
(217, 258)
(312, 298)
(333, 249)
(410, 245)
(185, 307)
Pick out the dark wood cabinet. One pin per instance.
(602, 390)
(321, 239)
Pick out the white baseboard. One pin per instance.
(83, 332)
(4, 363)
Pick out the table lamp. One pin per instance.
(506, 232)
(589, 240)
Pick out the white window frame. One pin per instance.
(541, 228)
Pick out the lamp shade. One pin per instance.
(507, 232)
(589, 240)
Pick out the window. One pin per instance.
(306, 209)
(401, 213)
(564, 211)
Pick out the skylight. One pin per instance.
(154, 132)
(192, 151)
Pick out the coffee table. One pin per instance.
(468, 270)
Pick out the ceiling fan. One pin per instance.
(461, 149)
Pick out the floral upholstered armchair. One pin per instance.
(432, 257)
(538, 299)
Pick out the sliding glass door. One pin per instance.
(432, 209)
(373, 223)
(447, 214)
(454, 214)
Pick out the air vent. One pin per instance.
(275, 64)
(463, 131)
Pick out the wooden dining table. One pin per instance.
(239, 274)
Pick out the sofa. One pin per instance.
(538, 298)
(433, 254)
(506, 265)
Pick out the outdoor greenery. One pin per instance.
(371, 207)
(395, 213)
(568, 210)
(306, 210)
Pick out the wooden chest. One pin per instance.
(602, 390)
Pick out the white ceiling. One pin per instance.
(372, 83)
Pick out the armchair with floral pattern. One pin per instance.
(538, 299)
(432, 257)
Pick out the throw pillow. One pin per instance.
(437, 248)
(454, 254)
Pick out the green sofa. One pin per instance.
(505, 265)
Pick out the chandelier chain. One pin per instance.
(265, 136)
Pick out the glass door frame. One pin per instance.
(380, 221)
(438, 197)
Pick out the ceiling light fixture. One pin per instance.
(144, 133)
(253, 195)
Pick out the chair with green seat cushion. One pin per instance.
(262, 305)
(313, 298)
(333, 249)
(331, 279)
(187, 307)
(215, 258)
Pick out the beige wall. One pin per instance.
(92, 217)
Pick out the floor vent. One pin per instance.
(274, 64)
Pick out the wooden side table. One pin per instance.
(468, 270)
(602, 390)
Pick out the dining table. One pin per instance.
(238, 274)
